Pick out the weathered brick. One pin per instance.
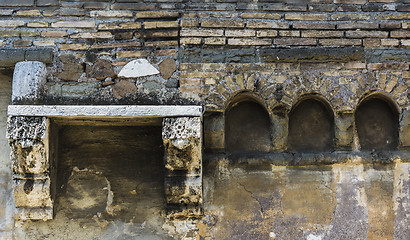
(348, 8)
(355, 65)
(22, 43)
(133, 6)
(350, 17)
(19, 33)
(295, 41)
(216, 23)
(190, 40)
(116, 45)
(405, 42)
(72, 12)
(400, 34)
(389, 42)
(28, 13)
(44, 43)
(405, 25)
(132, 54)
(6, 12)
(16, 3)
(340, 42)
(215, 41)
(74, 46)
(119, 25)
(37, 24)
(218, 15)
(91, 35)
(366, 34)
(273, 16)
(53, 34)
(240, 33)
(202, 33)
(200, 74)
(321, 8)
(161, 24)
(157, 14)
(372, 8)
(189, 23)
(320, 25)
(371, 42)
(165, 52)
(171, 43)
(404, 16)
(267, 33)
(249, 42)
(261, 24)
(46, 3)
(11, 23)
(111, 13)
(388, 66)
(350, 1)
(73, 24)
(403, 8)
(156, 34)
(390, 25)
(324, 34)
(95, 5)
(306, 17)
(123, 35)
(194, 89)
(190, 81)
(358, 25)
(289, 33)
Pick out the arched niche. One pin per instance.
(377, 124)
(311, 126)
(247, 127)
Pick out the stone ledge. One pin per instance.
(103, 111)
(9, 57)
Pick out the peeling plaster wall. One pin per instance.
(340, 201)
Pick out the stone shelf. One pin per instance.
(103, 111)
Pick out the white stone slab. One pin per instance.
(137, 68)
(103, 111)
(28, 80)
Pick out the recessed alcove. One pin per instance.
(247, 128)
(311, 127)
(377, 124)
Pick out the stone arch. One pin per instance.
(377, 122)
(247, 125)
(311, 125)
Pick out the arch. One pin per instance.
(377, 123)
(311, 126)
(247, 125)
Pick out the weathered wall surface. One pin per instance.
(215, 54)
(6, 201)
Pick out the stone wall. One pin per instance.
(246, 62)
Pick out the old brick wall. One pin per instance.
(220, 53)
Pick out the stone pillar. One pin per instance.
(404, 131)
(28, 139)
(182, 139)
(344, 131)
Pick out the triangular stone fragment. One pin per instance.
(137, 68)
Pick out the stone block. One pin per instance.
(53, 34)
(262, 24)
(9, 57)
(157, 14)
(306, 17)
(11, 23)
(44, 55)
(73, 24)
(295, 41)
(249, 42)
(47, 3)
(16, 3)
(28, 81)
(92, 35)
(101, 70)
(260, 15)
(183, 190)
(30, 160)
(25, 130)
(181, 128)
(344, 131)
(32, 193)
(308, 25)
(111, 13)
(28, 13)
(137, 68)
(404, 132)
(202, 33)
(133, 54)
(222, 23)
(167, 68)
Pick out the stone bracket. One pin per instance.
(182, 138)
(28, 139)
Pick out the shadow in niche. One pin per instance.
(113, 172)
(377, 125)
(247, 128)
(311, 127)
